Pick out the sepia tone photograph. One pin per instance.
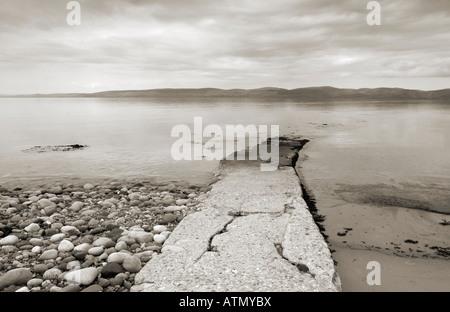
(246, 147)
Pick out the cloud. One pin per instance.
(229, 44)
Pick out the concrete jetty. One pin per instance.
(253, 233)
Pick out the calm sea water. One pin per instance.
(352, 144)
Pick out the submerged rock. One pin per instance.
(54, 148)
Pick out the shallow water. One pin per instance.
(384, 155)
(354, 146)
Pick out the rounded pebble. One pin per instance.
(51, 274)
(49, 254)
(33, 227)
(95, 251)
(105, 242)
(117, 257)
(84, 247)
(88, 186)
(17, 277)
(159, 228)
(57, 237)
(159, 238)
(111, 270)
(132, 264)
(65, 246)
(84, 276)
(36, 249)
(9, 240)
(121, 246)
(34, 282)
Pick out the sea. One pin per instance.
(397, 150)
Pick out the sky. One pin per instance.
(136, 44)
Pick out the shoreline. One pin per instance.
(78, 181)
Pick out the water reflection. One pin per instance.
(129, 137)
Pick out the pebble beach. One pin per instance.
(89, 237)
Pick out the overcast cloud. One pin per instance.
(133, 44)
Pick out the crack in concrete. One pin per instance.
(240, 213)
(303, 268)
(223, 230)
(288, 209)
(210, 248)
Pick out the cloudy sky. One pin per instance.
(136, 44)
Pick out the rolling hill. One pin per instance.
(310, 94)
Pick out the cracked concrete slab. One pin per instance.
(201, 226)
(264, 188)
(254, 233)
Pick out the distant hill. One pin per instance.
(311, 94)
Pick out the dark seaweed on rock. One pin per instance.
(55, 148)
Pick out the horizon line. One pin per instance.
(214, 88)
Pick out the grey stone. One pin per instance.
(56, 190)
(49, 210)
(34, 282)
(117, 257)
(69, 230)
(105, 242)
(111, 270)
(76, 206)
(132, 264)
(40, 268)
(51, 274)
(84, 276)
(65, 246)
(49, 254)
(17, 277)
(96, 251)
(9, 240)
(43, 203)
(33, 227)
(88, 186)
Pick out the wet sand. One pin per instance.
(362, 224)
(397, 273)
(388, 235)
